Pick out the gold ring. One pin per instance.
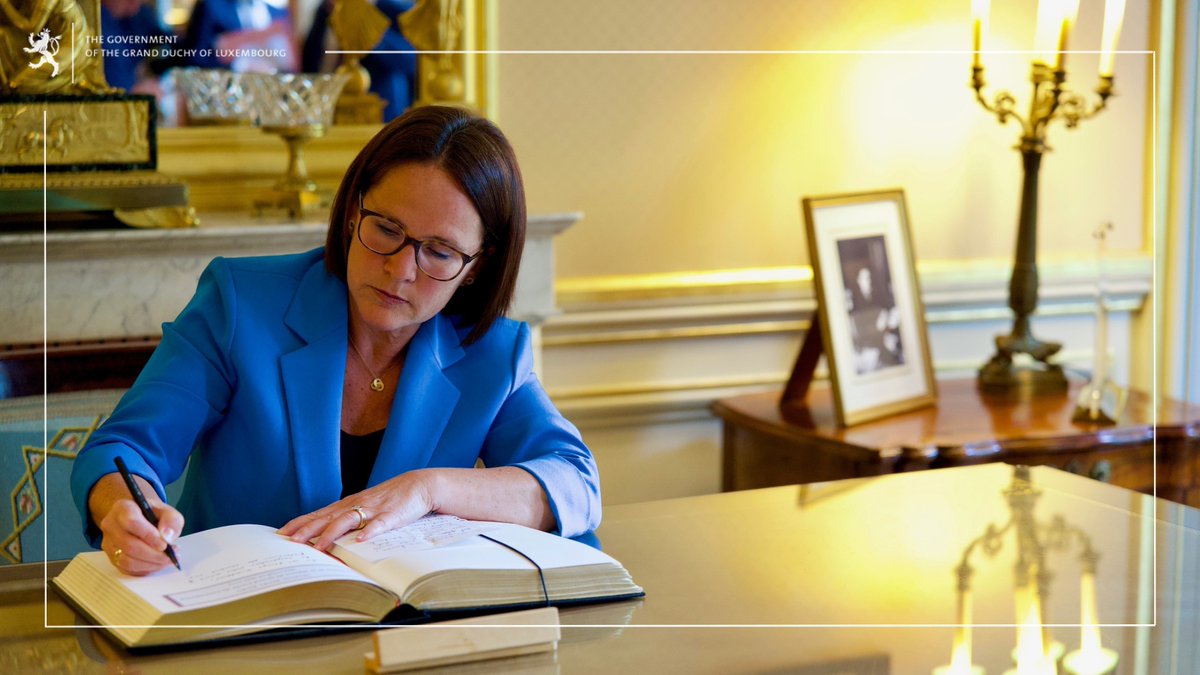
(117, 556)
(362, 517)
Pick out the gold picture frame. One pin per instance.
(869, 309)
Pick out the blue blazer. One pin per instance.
(247, 384)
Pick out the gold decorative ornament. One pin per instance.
(44, 47)
(437, 26)
(135, 198)
(79, 131)
(358, 26)
(57, 111)
(162, 217)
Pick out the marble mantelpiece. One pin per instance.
(107, 284)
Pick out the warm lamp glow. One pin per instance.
(1114, 14)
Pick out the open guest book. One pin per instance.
(243, 579)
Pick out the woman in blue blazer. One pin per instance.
(353, 387)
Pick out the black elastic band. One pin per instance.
(541, 574)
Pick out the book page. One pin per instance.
(229, 563)
(428, 532)
(398, 570)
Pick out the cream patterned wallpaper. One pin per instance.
(698, 162)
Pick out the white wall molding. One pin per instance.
(605, 311)
(637, 363)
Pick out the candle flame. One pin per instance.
(979, 14)
(1089, 639)
(960, 659)
(1031, 650)
(960, 654)
(1043, 40)
(1114, 13)
(1070, 11)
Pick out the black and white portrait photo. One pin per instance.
(871, 304)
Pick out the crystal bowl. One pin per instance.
(298, 100)
(219, 96)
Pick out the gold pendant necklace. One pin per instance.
(377, 382)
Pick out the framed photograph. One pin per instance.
(872, 321)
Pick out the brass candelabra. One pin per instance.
(1050, 101)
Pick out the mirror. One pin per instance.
(146, 41)
(226, 167)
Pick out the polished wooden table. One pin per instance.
(765, 445)
(851, 577)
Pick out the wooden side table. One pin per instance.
(765, 445)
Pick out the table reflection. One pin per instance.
(874, 562)
(1036, 651)
(855, 576)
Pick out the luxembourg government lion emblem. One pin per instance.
(47, 46)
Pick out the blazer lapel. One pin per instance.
(312, 382)
(425, 399)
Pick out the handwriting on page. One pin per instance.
(251, 577)
(428, 532)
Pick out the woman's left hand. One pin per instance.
(387, 506)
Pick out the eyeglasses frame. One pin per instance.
(408, 239)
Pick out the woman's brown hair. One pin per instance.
(475, 153)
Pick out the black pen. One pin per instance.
(141, 502)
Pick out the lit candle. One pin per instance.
(1043, 39)
(1114, 13)
(960, 655)
(1030, 655)
(1069, 11)
(1091, 658)
(960, 663)
(979, 12)
(965, 613)
(1090, 638)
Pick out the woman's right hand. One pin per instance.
(133, 545)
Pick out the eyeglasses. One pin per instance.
(437, 260)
